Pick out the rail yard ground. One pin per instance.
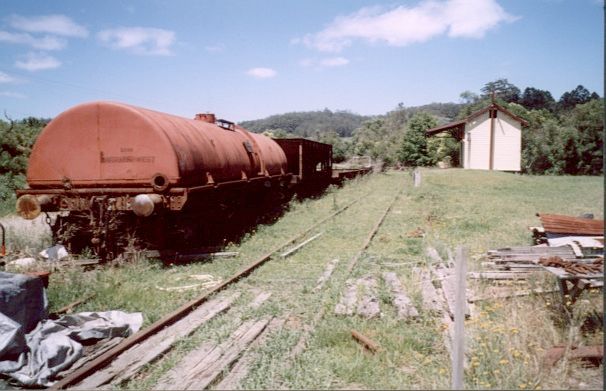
(507, 338)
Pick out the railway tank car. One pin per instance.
(128, 174)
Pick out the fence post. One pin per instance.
(416, 175)
(458, 355)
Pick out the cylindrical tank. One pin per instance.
(108, 144)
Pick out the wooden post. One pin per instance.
(458, 356)
(416, 175)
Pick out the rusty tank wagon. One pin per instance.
(132, 176)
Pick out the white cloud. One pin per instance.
(10, 94)
(139, 40)
(261, 73)
(47, 42)
(51, 24)
(405, 25)
(6, 78)
(37, 62)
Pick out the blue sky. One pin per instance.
(249, 59)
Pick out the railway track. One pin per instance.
(79, 376)
(126, 359)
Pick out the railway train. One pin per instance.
(129, 176)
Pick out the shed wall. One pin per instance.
(508, 143)
(477, 139)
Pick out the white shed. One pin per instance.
(491, 139)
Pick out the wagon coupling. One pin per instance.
(30, 206)
(144, 204)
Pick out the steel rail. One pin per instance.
(182, 311)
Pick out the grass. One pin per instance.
(481, 210)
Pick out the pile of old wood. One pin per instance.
(568, 247)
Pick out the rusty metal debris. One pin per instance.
(69, 308)
(368, 343)
(574, 268)
(593, 355)
(416, 233)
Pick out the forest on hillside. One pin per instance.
(563, 137)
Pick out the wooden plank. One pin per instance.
(509, 293)
(90, 353)
(404, 307)
(259, 299)
(131, 361)
(240, 370)
(433, 254)
(500, 275)
(347, 304)
(330, 267)
(431, 301)
(530, 249)
(448, 327)
(203, 366)
(449, 288)
(368, 306)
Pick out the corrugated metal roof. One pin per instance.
(571, 225)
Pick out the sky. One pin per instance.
(248, 59)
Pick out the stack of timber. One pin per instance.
(525, 257)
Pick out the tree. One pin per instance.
(16, 141)
(413, 149)
(469, 97)
(533, 98)
(578, 96)
(502, 89)
(587, 121)
(339, 146)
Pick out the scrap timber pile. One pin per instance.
(570, 248)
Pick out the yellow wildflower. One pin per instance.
(503, 362)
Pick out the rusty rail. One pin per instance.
(182, 311)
